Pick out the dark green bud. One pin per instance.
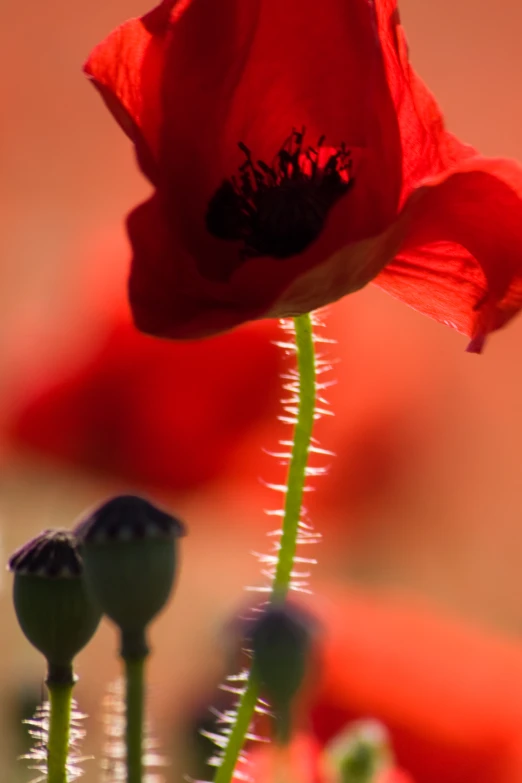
(360, 753)
(130, 556)
(281, 639)
(51, 601)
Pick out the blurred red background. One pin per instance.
(425, 493)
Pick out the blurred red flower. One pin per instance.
(305, 762)
(449, 693)
(157, 413)
(296, 156)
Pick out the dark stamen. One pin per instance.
(278, 210)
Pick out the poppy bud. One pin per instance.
(360, 753)
(281, 640)
(130, 556)
(51, 601)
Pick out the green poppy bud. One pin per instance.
(129, 551)
(51, 601)
(281, 639)
(360, 753)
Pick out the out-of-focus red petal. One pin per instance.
(449, 693)
(299, 761)
(303, 761)
(395, 776)
(461, 255)
(156, 413)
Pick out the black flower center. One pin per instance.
(278, 210)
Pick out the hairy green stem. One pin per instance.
(60, 699)
(297, 468)
(134, 699)
(292, 513)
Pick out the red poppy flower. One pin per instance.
(449, 694)
(157, 413)
(296, 156)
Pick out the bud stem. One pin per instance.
(134, 698)
(60, 698)
(283, 724)
(292, 512)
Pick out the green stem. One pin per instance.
(297, 469)
(60, 698)
(292, 513)
(134, 698)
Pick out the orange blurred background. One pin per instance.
(425, 495)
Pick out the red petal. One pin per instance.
(127, 70)
(471, 278)
(170, 298)
(474, 286)
(160, 414)
(167, 295)
(449, 693)
(426, 145)
(187, 95)
(255, 80)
